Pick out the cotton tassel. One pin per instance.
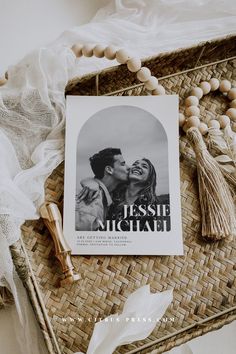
(217, 206)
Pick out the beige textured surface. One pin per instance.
(204, 279)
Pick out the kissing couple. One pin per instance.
(114, 187)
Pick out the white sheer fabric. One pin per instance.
(32, 117)
(18, 339)
(149, 27)
(130, 325)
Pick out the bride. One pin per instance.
(140, 191)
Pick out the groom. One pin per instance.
(109, 170)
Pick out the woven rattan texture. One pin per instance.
(204, 279)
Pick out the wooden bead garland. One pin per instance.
(133, 64)
(151, 83)
(192, 109)
(217, 204)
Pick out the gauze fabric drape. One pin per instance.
(149, 27)
(32, 118)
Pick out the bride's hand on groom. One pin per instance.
(89, 191)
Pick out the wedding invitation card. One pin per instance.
(122, 184)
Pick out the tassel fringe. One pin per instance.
(216, 201)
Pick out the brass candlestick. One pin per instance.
(52, 219)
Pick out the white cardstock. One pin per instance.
(122, 182)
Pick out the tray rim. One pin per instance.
(217, 40)
(180, 337)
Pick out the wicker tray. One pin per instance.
(204, 279)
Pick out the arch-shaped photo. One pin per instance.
(122, 175)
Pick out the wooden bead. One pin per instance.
(134, 65)
(98, 51)
(151, 84)
(193, 122)
(231, 113)
(215, 84)
(197, 91)
(159, 90)
(144, 74)
(185, 127)
(225, 86)
(2, 81)
(191, 101)
(181, 119)
(203, 128)
(232, 93)
(234, 127)
(122, 56)
(192, 111)
(77, 49)
(88, 50)
(110, 52)
(214, 124)
(233, 104)
(224, 121)
(206, 87)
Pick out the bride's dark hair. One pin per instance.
(147, 195)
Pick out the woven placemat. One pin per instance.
(204, 279)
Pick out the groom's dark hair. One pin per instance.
(103, 158)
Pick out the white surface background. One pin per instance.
(25, 25)
(28, 24)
